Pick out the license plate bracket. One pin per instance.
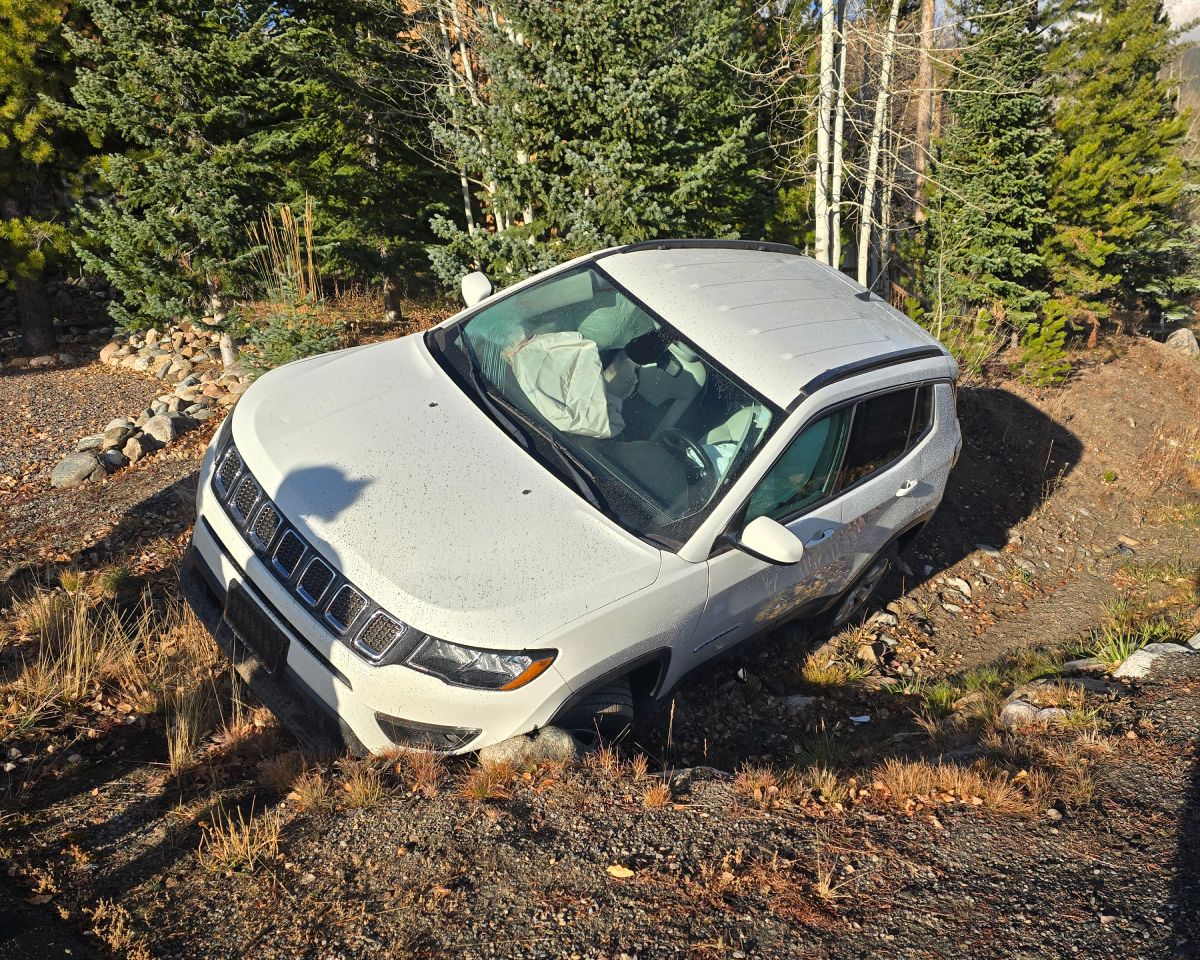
(255, 629)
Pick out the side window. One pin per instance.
(923, 414)
(879, 434)
(806, 471)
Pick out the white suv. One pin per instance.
(560, 502)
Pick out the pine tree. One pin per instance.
(988, 209)
(189, 95)
(1116, 186)
(42, 159)
(600, 122)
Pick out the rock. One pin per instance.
(140, 364)
(1034, 690)
(549, 743)
(1185, 341)
(44, 361)
(179, 369)
(952, 608)
(152, 336)
(1086, 665)
(1025, 565)
(214, 390)
(968, 700)
(75, 468)
(1051, 714)
(237, 389)
(1194, 643)
(1053, 814)
(1018, 713)
(1138, 664)
(138, 446)
(161, 428)
(904, 568)
(118, 422)
(202, 414)
(160, 366)
(194, 409)
(986, 550)
(115, 437)
(66, 358)
(90, 443)
(17, 363)
(115, 460)
(961, 585)
(798, 701)
(884, 619)
(157, 407)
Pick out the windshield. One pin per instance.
(612, 397)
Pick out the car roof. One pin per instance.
(777, 319)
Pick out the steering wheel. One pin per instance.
(681, 444)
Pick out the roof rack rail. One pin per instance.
(762, 246)
(846, 371)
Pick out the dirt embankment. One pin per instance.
(931, 829)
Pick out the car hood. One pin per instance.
(424, 503)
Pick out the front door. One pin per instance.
(745, 594)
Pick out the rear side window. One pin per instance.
(806, 471)
(884, 427)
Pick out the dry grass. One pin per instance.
(238, 845)
(310, 791)
(638, 767)
(756, 783)
(85, 652)
(421, 771)
(362, 785)
(657, 796)
(487, 781)
(186, 714)
(606, 764)
(930, 783)
(823, 882)
(281, 773)
(822, 673)
(113, 925)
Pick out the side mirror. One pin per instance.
(771, 541)
(475, 287)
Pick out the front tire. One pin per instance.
(606, 711)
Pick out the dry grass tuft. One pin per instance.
(487, 781)
(422, 771)
(756, 783)
(821, 672)
(113, 925)
(360, 781)
(657, 796)
(310, 791)
(927, 783)
(229, 845)
(606, 764)
(638, 767)
(282, 772)
(185, 727)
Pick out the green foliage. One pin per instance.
(601, 122)
(198, 124)
(42, 158)
(988, 212)
(1119, 178)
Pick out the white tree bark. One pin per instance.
(924, 104)
(824, 102)
(839, 124)
(868, 202)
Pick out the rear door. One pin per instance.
(890, 475)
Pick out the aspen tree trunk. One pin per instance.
(868, 204)
(462, 171)
(839, 125)
(924, 104)
(824, 102)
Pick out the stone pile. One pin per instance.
(187, 358)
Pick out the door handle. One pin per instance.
(908, 488)
(820, 539)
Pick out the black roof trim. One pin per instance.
(761, 246)
(846, 371)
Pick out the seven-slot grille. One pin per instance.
(337, 604)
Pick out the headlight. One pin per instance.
(483, 669)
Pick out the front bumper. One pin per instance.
(324, 691)
(284, 693)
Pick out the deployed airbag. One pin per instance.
(563, 378)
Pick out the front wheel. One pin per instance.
(605, 712)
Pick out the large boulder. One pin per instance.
(107, 351)
(161, 428)
(548, 743)
(1139, 663)
(76, 468)
(1184, 341)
